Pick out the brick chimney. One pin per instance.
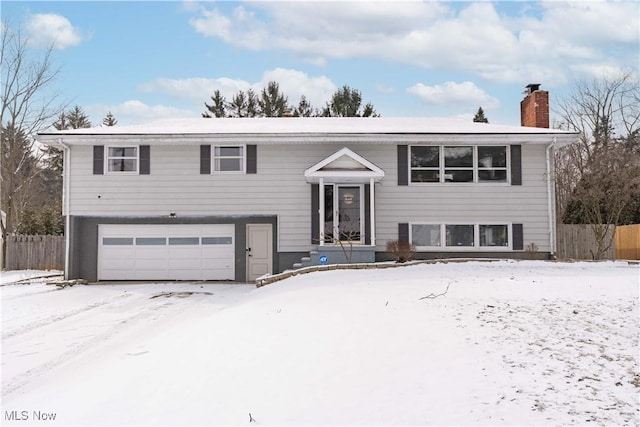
(534, 108)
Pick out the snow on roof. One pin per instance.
(308, 125)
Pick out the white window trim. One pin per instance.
(476, 237)
(476, 167)
(107, 157)
(214, 157)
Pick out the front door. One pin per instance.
(343, 209)
(259, 251)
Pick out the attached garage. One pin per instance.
(166, 252)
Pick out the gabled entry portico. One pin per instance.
(343, 199)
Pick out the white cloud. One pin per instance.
(546, 42)
(196, 89)
(452, 93)
(292, 83)
(135, 111)
(46, 29)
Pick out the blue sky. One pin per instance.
(149, 60)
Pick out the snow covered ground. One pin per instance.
(533, 343)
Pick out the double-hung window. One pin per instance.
(228, 158)
(122, 159)
(459, 164)
(492, 164)
(425, 163)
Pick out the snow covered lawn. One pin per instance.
(509, 343)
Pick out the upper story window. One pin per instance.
(458, 164)
(443, 164)
(122, 159)
(228, 158)
(492, 164)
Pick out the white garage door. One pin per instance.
(166, 252)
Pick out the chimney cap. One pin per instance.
(532, 87)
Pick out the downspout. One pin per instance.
(66, 173)
(321, 211)
(551, 200)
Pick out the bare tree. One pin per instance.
(597, 180)
(26, 109)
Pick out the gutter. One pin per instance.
(66, 185)
(551, 200)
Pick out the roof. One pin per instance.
(295, 126)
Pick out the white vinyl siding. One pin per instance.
(279, 188)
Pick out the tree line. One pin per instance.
(271, 102)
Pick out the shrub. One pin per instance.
(400, 250)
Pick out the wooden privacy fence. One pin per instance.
(628, 241)
(577, 241)
(35, 252)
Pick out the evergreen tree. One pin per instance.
(238, 105)
(304, 108)
(479, 117)
(272, 102)
(20, 172)
(252, 108)
(109, 120)
(218, 108)
(346, 102)
(61, 123)
(77, 119)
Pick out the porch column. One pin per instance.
(372, 218)
(321, 215)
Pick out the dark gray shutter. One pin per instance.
(205, 159)
(98, 159)
(403, 165)
(518, 237)
(315, 213)
(252, 159)
(145, 160)
(367, 214)
(516, 165)
(403, 232)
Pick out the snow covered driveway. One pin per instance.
(509, 343)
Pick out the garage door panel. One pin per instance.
(121, 263)
(151, 252)
(151, 274)
(151, 264)
(166, 252)
(188, 263)
(185, 252)
(217, 251)
(117, 274)
(186, 274)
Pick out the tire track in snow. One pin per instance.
(23, 379)
(56, 318)
(8, 298)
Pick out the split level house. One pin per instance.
(235, 199)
